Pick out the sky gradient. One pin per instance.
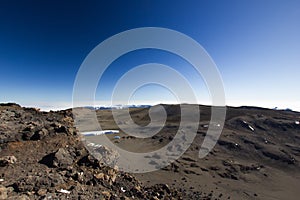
(255, 45)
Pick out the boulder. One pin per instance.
(104, 155)
(62, 158)
(39, 134)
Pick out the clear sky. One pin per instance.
(255, 44)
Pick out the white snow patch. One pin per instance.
(64, 191)
(249, 126)
(94, 133)
(252, 129)
(94, 145)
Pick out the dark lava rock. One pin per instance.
(35, 183)
(61, 159)
(6, 160)
(40, 134)
(61, 129)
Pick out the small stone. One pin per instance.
(138, 188)
(106, 193)
(106, 177)
(3, 192)
(113, 177)
(6, 160)
(61, 129)
(99, 176)
(42, 192)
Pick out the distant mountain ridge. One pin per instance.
(116, 107)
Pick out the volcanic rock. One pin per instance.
(6, 160)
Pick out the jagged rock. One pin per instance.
(105, 155)
(61, 129)
(61, 159)
(89, 160)
(40, 134)
(6, 160)
(28, 132)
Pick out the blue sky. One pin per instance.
(255, 44)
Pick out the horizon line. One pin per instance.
(52, 107)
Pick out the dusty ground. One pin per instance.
(245, 164)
